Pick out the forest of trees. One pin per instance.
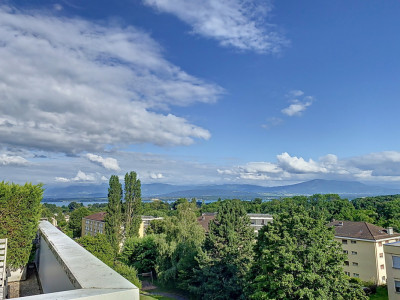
(294, 257)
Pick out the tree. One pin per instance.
(74, 205)
(19, 218)
(227, 254)
(296, 257)
(99, 246)
(133, 204)
(113, 218)
(75, 220)
(184, 238)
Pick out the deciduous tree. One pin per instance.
(133, 205)
(113, 219)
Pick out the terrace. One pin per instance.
(67, 271)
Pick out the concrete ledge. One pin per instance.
(88, 277)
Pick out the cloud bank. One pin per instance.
(68, 85)
(109, 163)
(234, 23)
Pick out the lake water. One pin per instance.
(66, 203)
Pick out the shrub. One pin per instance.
(19, 216)
(128, 272)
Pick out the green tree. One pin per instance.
(113, 218)
(296, 257)
(74, 205)
(227, 255)
(19, 218)
(75, 220)
(184, 238)
(133, 204)
(99, 246)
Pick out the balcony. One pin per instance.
(67, 271)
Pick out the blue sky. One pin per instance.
(227, 91)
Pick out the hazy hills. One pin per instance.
(350, 189)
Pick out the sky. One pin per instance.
(199, 92)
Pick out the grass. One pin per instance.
(381, 294)
(154, 297)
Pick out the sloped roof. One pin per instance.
(205, 219)
(97, 216)
(361, 230)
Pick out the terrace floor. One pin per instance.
(28, 287)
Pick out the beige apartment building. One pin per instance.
(392, 260)
(363, 243)
(94, 224)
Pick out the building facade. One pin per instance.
(94, 224)
(392, 260)
(363, 242)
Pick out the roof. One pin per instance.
(97, 216)
(261, 216)
(205, 219)
(361, 230)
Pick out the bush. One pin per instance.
(19, 216)
(99, 246)
(129, 273)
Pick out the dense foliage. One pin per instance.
(99, 246)
(296, 257)
(75, 220)
(133, 205)
(20, 211)
(113, 219)
(227, 253)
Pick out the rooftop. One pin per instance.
(97, 216)
(361, 230)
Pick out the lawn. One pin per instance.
(381, 294)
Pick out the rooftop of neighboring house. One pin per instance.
(362, 230)
(205, 219)
(260, 216)
(97, 216)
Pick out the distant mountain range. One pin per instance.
(349, 189)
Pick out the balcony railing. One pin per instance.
(67, 271)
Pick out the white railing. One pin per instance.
(67, 271)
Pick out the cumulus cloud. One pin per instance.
(12, 160)
(79, 86)
(295, 164)
(80, 177)
(156, 176)
(298, 106)
(234, 23)
(108, 163)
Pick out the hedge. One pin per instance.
(19, 216)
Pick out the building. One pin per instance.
(392, 261)
(94, 224)
(363, 243)
(256, 220)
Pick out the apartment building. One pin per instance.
(392, 260)
(256, 220)
(363, 242)
(93, 224)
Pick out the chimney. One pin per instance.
(389, 230)
(340, 223)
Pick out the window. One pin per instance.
(347, 273)
(380, 255)
(397, 286)
(346, 263)
(345, 251)
(344, 242)
(355, 264)
(396, 262)
(383, 278)
(354, 252)
(354, 242)
(356, 275)
(380, 244)
(382, 267)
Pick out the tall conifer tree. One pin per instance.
(227, 254)
(133, 204)
(113, 219)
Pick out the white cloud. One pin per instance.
(298, 106)
(12, 160)
(62, 179)
(156, 176)
(236, 23)
(295, 164)
(81, 176)
(57, 7)
(272, 122)
(78, 86)
(108, 163)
